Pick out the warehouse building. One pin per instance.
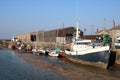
(52, 37)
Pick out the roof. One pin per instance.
(103, 30)
(61, 28)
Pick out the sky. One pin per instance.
(24, 16)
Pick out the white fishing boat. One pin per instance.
(89, 52)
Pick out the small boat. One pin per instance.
(22, 48)
(55, 52)
(61, 54)
(28, 48)
(38, 51)
(88, 52)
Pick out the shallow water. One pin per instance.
(13, 67)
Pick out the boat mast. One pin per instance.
(77, 21)
(77, 30)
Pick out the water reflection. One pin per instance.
(12, 67)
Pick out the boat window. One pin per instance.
(97, 42)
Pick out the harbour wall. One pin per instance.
(118, 56)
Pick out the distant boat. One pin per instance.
(89, 52)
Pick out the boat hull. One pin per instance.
(53, 55)
(97, 59)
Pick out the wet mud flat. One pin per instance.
(71, 71)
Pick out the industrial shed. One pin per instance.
(51, 38)
(57, 35)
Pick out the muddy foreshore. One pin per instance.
(70, 71)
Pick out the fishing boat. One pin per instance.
(89, 52)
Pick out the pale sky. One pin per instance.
(23, 16)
